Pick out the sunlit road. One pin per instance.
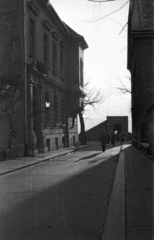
(61, 199)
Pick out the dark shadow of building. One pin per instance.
(140, 64)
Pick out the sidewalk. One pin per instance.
(15, 164)
(131, 208)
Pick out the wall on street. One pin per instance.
(11, 66)
(114, 123)
(142, 87)
(94, 133)
(4, 134)
(11, 28)
(151, 131)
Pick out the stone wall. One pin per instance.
(4, 134)
(11, 68)
(142, 87)
(151, 131)
(94, 133)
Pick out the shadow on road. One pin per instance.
(88, 157)
(96, 146)
(50, 202)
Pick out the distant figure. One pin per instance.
(117, 138)
(108, 138)
(122, 138)
(104, 140)
(113, 139)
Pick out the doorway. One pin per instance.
(118, 128)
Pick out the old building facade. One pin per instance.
(140, 64)
(42, 62)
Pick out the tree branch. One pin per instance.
(108, 14)
(123, 88)
(93, 97)
(115, 21)
(123, 50)
(123, 28)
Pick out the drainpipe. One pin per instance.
(25, 75)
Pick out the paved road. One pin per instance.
(61, 199)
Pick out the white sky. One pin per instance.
(105, 61)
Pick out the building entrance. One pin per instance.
(118, 128)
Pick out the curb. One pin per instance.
(43, 160)
(114, 228)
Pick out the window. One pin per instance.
(63, 141)
(46, 49)
(56, 143)
(48, 143)
(74, 140)
(81, 71)
(55, 110)
(54, 57)
(62, 64)
(31, 38)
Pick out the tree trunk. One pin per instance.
(82, 134)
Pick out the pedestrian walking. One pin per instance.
(104, 140)
(113, 139)
(108, 138)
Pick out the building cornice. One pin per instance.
(143, 34)
(46, 78)
(52, 15)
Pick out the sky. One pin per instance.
(105, 61)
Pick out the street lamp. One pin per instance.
(47, 104)
(47, 100)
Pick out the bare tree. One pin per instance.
(123, 88)
(94, 97)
